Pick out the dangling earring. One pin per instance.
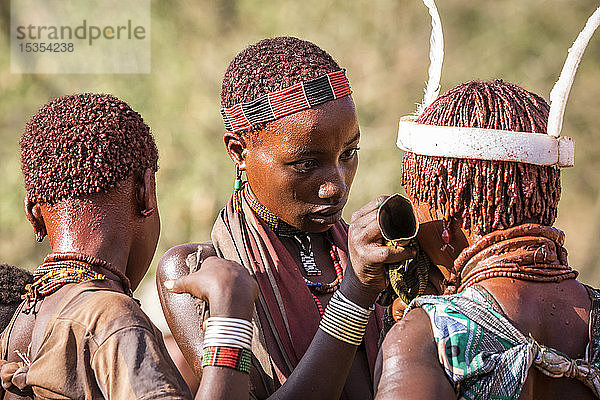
(446, 236)
(39, 237)
(147, 212)
(237, 185)
(237, 190)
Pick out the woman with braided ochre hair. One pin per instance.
(292, 128)
(513, 321)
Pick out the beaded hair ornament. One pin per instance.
(494, 144)
(277, 104)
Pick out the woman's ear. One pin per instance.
(146, 193)
(236, 148)
(33, 211)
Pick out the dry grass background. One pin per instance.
(382, 43)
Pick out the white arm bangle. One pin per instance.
(229, 321)
(231, 332)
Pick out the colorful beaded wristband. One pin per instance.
(345, 320)
(229, 357)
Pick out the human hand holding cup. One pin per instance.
(369, 252)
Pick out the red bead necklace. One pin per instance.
(323, 288)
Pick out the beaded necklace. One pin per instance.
(529, 252)
(278, 226)
(282, 229)
(60, 269)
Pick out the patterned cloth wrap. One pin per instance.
(486, 357)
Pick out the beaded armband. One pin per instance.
(345, 320)
(227, 343)
(230, 357)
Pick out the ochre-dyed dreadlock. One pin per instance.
(486, 195)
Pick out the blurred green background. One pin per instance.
(384, 46)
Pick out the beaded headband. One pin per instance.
(494, 144)
(298, 97)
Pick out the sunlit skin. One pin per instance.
(122, 226)
(108, 225)
(429, 237)
(302, 166)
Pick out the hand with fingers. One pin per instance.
(369, 254)
(13, 376)
(230, 292)
(225, 285)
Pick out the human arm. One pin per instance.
(324, 368)
(179, 309)
(322, 371)
(230, 292)
(409, 363)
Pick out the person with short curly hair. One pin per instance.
(291, 126)
(12, 287)
(88, 162)
(271, 65)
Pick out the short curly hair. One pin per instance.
(82, 144)
(487, 195)
(12, 283)
(270, 65)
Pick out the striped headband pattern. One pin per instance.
(298, 97)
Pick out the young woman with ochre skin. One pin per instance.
(520, 314)
(297, 143)
(89, 162)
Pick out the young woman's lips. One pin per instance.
(328, 216)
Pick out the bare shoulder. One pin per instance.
(175, 262)
(410, 339)
(182, 310)
(410, 365)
